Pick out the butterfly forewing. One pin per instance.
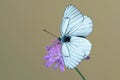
(77, 23)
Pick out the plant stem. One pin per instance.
(80, 73)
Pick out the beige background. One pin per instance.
(22, 41)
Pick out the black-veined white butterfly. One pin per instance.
(75, 28)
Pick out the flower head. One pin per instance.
(54, 55)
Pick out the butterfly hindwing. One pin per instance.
(77, 49)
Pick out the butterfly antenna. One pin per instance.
(50, 33)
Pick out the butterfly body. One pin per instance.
(64, 39)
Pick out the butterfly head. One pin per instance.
(64, 39)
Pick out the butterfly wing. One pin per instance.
(75, 51)
(74, 23)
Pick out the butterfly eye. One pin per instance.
(59, 39)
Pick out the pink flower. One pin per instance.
(54, 55)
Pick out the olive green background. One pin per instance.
(22, 41)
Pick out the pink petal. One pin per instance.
(56, 66)
(48, 64)
(62, 68)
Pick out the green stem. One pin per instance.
(80, 73)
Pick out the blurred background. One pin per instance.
(22, 41)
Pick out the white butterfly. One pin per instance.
(74, 30)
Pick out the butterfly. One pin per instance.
(74, 29)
